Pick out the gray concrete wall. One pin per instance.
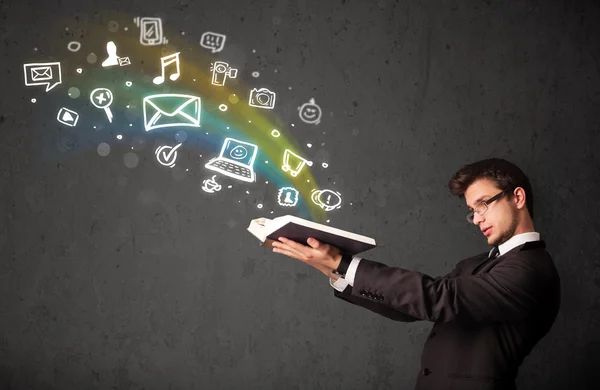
(119, 273)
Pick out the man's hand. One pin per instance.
(323, 257)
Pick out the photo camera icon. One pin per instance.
(262, 98)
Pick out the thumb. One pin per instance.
(313, 242)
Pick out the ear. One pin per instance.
(519, 197)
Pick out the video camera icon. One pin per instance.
(221, 71)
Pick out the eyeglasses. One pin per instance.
(482, 207)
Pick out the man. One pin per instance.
(489, 312)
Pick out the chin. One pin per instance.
(493, 241)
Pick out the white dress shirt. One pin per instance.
(511, 243)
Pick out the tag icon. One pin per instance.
(67, 117)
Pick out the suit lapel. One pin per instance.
(475, 263)
(480, 261)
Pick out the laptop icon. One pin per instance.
(235, 160)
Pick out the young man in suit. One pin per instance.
(489, 312)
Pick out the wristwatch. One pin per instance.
(343, 267)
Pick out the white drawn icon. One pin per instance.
(210, 185)
(74, 46)
(262, 98)
(67, 117)
(310, 112)
(293, 163)
(326, 199)
(164, 62)
(151, 33)
(113, 58)
(236, 160)
(221, 71)
(167, 155)
(171, 110)
(124, 61)
(45, 73)
(287, 196)
(103, 98)
(212, 41)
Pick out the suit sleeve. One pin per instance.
(373, 306)
(509, 292)
(379, 307)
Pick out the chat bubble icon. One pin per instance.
(44, 73)
(212, 41)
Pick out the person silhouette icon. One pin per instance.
(112, 59)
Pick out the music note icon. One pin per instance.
(164, 62)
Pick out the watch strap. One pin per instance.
(344, 264)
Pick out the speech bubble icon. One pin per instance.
(326, 199)
(43, 73)
(212, 41)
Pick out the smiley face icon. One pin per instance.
(238, 153)
(310, 112)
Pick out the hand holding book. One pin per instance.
(299, 230)
(288, 234)
(323, 257)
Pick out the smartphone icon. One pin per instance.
(151, 33)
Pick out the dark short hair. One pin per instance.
(506, 176)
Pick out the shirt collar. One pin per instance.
(517, 240)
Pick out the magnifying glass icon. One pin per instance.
(102, 98)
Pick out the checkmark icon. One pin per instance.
(167, 158)
(172, 152)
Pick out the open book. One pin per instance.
(299, 230)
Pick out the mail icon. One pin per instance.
(171, 110)
(124, 61)
(42, 73)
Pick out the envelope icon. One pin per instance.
(42, 73)
(124, 61)
(171, 110)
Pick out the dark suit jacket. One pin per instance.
(488, 314)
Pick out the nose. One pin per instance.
(477, 219)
